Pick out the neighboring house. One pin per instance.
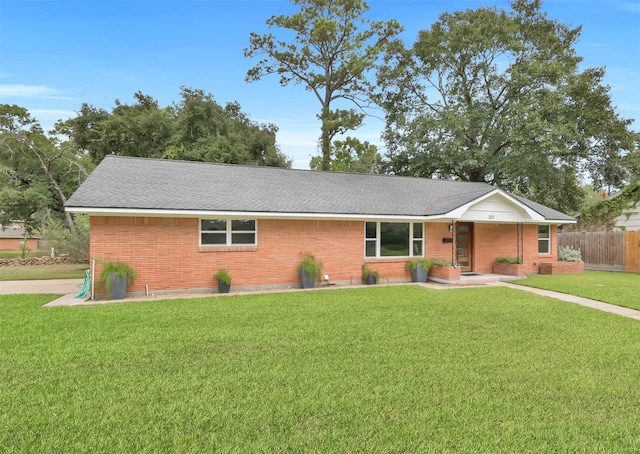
(12, 238)
(617, 212)
(629, 219)
(178, 222)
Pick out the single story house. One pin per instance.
(178, 222)
(629, 219)
(12, 238)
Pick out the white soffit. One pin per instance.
(496, 206)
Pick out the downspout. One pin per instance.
(452, 229)
(93, 278)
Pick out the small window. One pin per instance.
(227, 232)
(544, 239)
(393, 239)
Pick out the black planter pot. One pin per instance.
(371, 280)
(117, 286)
(307, 280)
(224, 287)
(419, 274)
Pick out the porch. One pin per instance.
(475, 279)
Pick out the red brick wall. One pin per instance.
(15, 244)
(499, 240)
(491, 240)
(166, 254)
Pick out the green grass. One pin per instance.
(62, 271)
(622, 289)
(380, 369)
(18, 254)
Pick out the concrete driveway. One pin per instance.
(55, 286)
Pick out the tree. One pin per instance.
(351, 155)
(196, 129)
(335, 48)
(496, 96)
(38, 171)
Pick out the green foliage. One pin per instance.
(508, 260)
(441, 262)
(222, 275)
(604, 213)
(334, 49)
(368, 271)
(413, 264)
(37, 172)
(57, 235)
(120, 268)
(353, 156)
(310, 264)
(499, 96)
(195, 129)
(569, 254)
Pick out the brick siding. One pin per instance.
(167, 256)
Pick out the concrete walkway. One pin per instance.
(68, 288)
(55, 286)
(593, 304)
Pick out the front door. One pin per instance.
(464, 246)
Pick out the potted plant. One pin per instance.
(115, 277)
(369, 276)
(309, 270)
(419, 269)
(224, 280)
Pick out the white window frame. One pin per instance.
(412, 240)
(547, 239)
(228, 232)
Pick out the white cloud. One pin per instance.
(26, 91)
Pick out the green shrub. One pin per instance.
(223, 276)
(120, 268)
(310, 264)
(569, 254)
(509, 260)
(368, 271)
(413, 264)
(441, 262)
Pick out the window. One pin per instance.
(544, 239)
(393, 239)
(227, 232)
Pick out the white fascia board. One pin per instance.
(240, 214)
(534, 215)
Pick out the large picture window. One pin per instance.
(544, 239)
(393, 239)
(227, 232)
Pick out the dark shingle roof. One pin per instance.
(153, 184)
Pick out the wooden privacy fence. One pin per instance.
(613, 251)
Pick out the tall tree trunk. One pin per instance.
(36, 152)
(325, 139)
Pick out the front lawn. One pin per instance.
(378, 369)
(37, 272)
(621, 289)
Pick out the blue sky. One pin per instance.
(55, 55)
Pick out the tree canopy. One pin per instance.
(351, 155)
(37, 172)
(195, 129)
(497, 96)
(334, 49)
